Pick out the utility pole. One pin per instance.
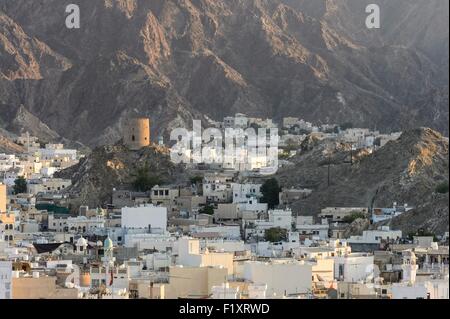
(351, 155)
(329, 171)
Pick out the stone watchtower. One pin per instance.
(136, 133)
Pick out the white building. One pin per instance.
(48, 185)
(354, 267)
(56, 152)
(8, 162)
(218, 187)
(252, 205)
(160, 242)
(243, 192)
(191, 255)
(257, 291)
(5, 280)
(225, 292)
(283, 278)
(281, 218)
(382, 214)
(57, 223)
(232, 232)
(376, 236)
(429, 289)
(145, 217)
(240, 121)
(311, 230)
(84, 224)
(401, 291)
(278, 218)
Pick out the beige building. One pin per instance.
(194, 282)
(7, 222)
(337, 214)
(50, 185)
(190, 255)
(144, 289)
(353, 290)
(40, 288)
(3, 198)
(190, 203)
(165, 196)
(227, 212)
(323, 270)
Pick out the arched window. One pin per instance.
(10, 237)
(133, 138)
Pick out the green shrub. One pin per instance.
(354, 216)
(275, 235)
(442, 188)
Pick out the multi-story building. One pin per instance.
(5, 280)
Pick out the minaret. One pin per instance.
(409, 266)
(108, 260)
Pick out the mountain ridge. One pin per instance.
(181, 59)
(406, 171)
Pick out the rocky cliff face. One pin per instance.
(7, 144)
(109, 167)
(405, 171)
(177, 59)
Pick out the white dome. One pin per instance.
(81, 242)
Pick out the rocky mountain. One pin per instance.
(116, 167)
(173, 60)
(7, 144)
(406, 171)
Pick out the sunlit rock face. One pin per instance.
(173, 60)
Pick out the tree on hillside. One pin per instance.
(208, 209)
(275, 235)
(271, 191)
(354, 216)
(442, 188)
(20, 185)
(196, 180)
(145, 180)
